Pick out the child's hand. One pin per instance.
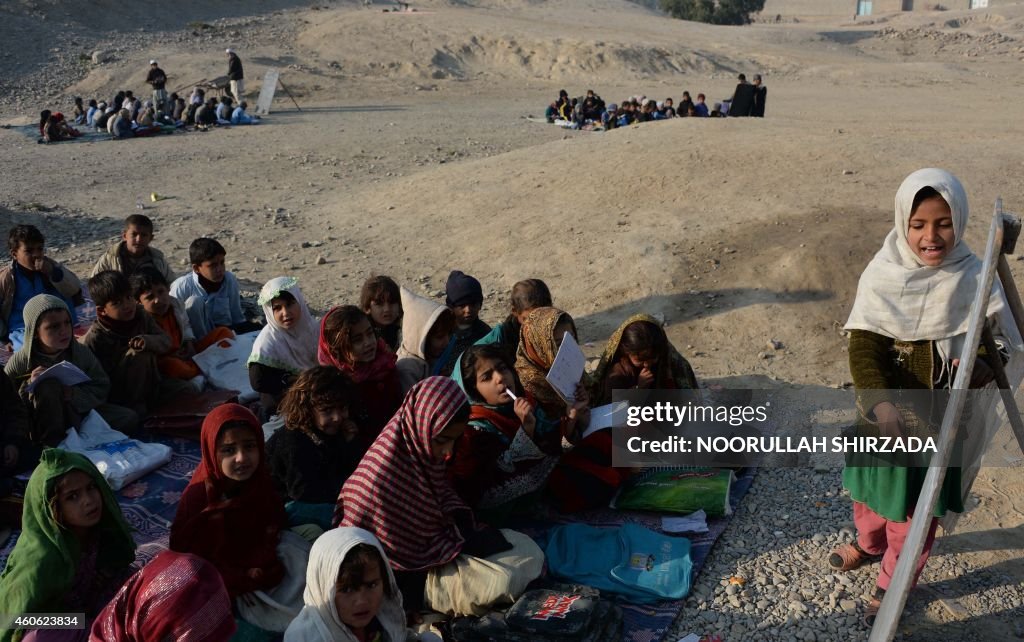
(524, 410)
(38, 370)
(10, 455)
(137, 344)
(888, 418)
(981, 376)
(255, 574)
(645, 380)
(44, 265)
(582, 397)
(581, 407)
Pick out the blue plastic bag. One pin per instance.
(632, 561)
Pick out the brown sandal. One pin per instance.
(847, 557)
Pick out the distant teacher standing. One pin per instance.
(235, 75)
(157, 79)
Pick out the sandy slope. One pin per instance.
(410, 157)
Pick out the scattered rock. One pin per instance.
(320, 260)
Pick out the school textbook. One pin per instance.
(567, 368)
(67, 373)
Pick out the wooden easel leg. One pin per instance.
(289, 94)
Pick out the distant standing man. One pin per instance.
(760, 98)
(235, 75)
(157, 79)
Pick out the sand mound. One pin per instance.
(438, 45)
(687, 246)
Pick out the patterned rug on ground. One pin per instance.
(150, 503)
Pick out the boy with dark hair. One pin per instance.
(127, 342)
(133, 252)
(151, 291)
(30, 273)
(700, 107)
(465, 296)
(210, 293)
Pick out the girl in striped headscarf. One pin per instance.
(401, 494)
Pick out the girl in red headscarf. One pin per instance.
(348, 342)
(230, 513)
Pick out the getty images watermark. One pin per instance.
(737, 428)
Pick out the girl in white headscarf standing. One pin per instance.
(907, 330)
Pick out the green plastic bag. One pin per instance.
(680, 491)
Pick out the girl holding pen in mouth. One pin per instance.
(503, 459)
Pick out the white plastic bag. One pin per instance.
(119, 459)
(224, 364)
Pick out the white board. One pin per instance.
(267, 91)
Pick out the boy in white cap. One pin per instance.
(235, 75)
(157, 79)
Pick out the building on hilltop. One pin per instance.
(839, 8)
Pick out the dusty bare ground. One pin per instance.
(410, 157)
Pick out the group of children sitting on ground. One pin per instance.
(412, 424)
(592, 109)
(127, 116)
